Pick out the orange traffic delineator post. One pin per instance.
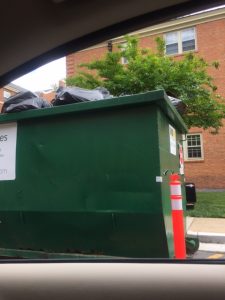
(177, 217)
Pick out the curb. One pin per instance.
(212, 247)
(189, 221)
(208, 237)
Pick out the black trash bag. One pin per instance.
(24, 101)
(70, 95)
(180, 106)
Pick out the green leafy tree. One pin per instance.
(186, 79)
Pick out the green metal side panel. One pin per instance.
(86, 180)
(86, 184)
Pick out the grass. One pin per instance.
(209, 205)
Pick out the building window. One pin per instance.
(123, 47)
(193, 147)
(6, 94)
(124, 60)
(180, 41)
(171, 43)
(188, 39)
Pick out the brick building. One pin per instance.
(204, 34)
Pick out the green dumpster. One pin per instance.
(90, 178)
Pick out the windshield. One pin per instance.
(117, 151)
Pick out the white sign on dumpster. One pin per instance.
(173, 143)
(8, 136)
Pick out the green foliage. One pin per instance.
(186, 79)
(84, 80)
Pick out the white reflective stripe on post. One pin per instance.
(177, 205)
(175, 189)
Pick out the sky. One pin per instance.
(44, 77)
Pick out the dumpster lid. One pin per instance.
(157, 97)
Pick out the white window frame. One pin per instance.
(179, 41)
(185, 147)
(124, 60)
(6, 94)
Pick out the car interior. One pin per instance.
(35, 32)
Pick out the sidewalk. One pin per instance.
(208, 230)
